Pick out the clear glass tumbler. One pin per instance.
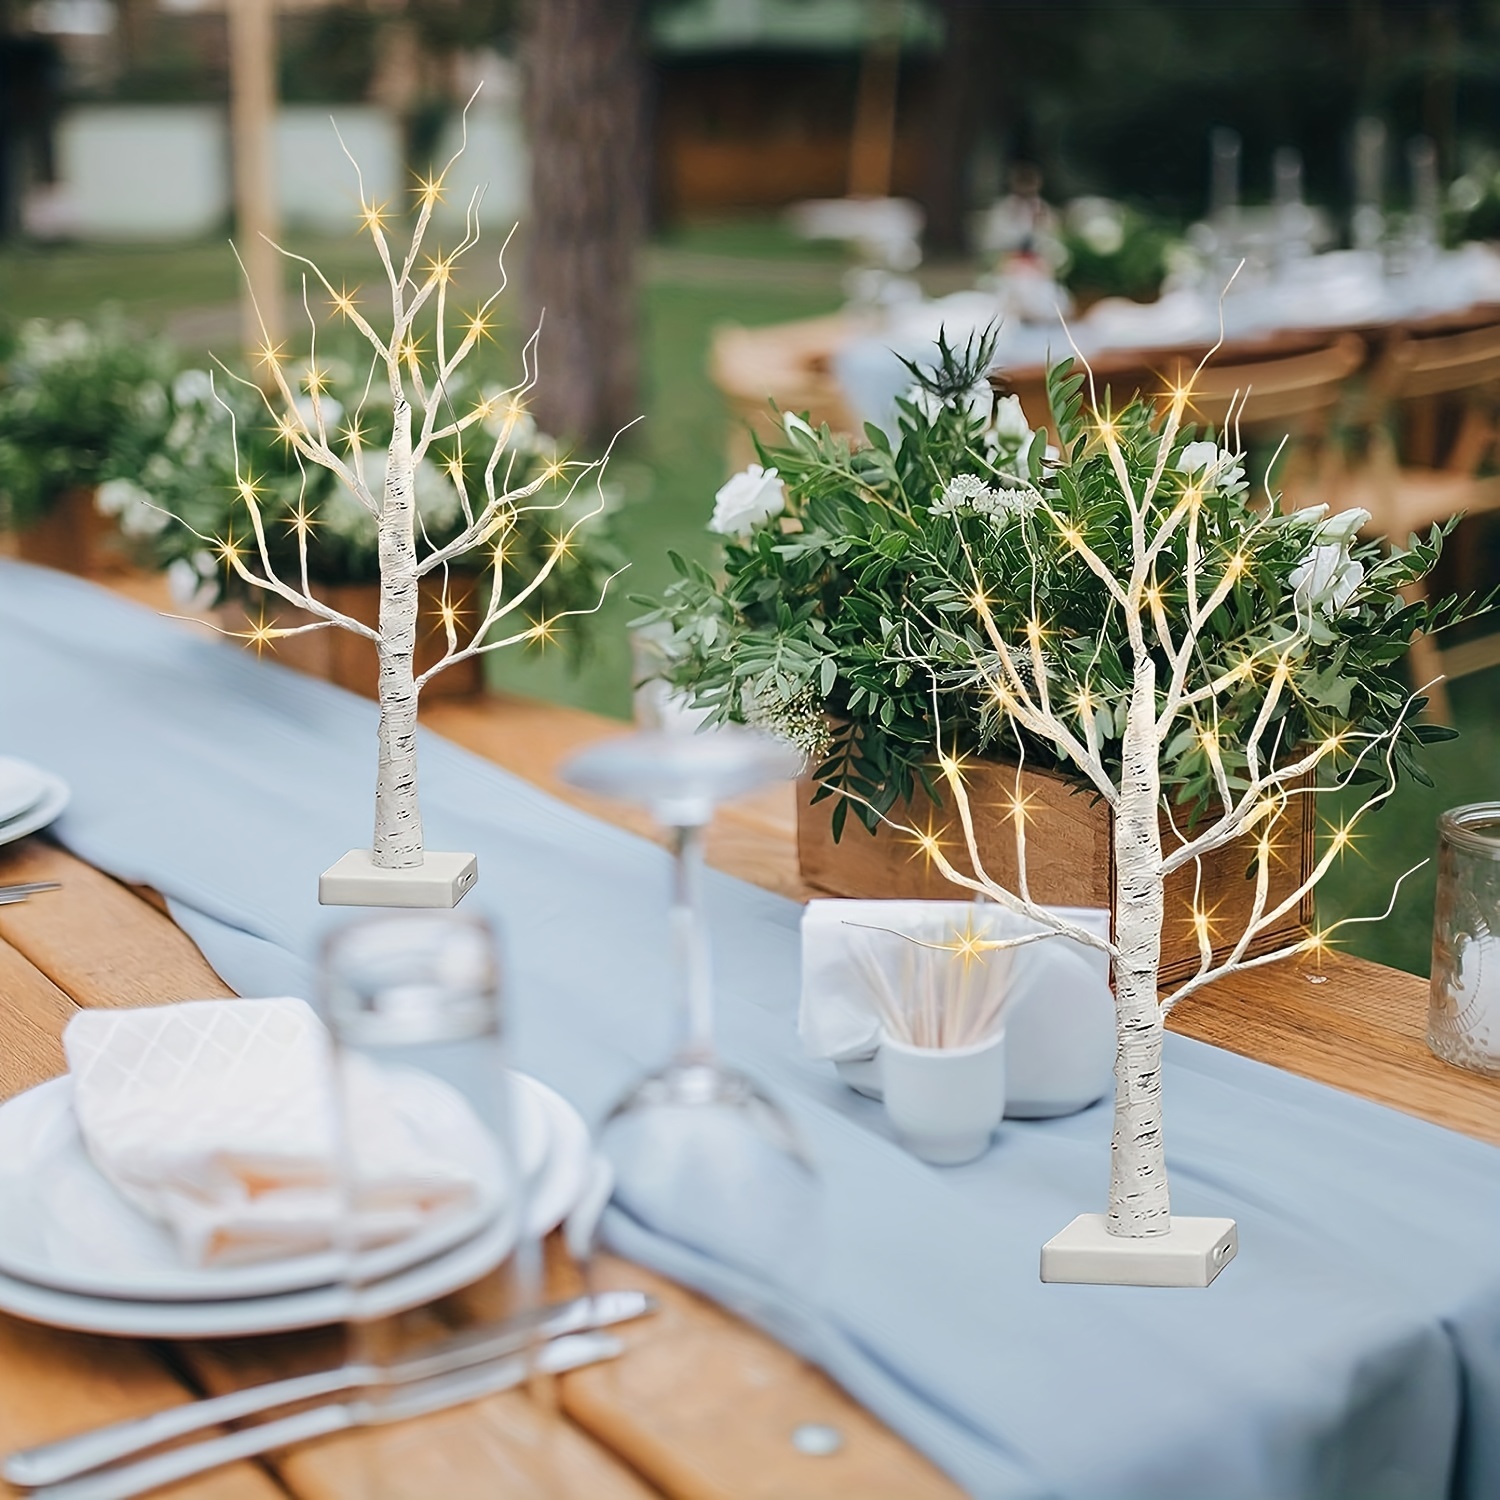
(1463, 1021)
(432, 1219)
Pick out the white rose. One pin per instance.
(437, 496)
(1197, 456)
(1340, 530)
(333, 411)
(1326, 579)
(137, 512)
(193, 582)
(1009, 422)
(193, 388)
(795, 427)
(1216, 465)
(749, 497)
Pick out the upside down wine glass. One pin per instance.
(702, 1155)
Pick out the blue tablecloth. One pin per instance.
(1353, 1348)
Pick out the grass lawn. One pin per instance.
(694, 281)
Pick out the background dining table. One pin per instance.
(701, 1405)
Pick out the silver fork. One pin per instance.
(66, 1458)
(412, 1399)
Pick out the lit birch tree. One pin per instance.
(416, 359)
(1165, 582)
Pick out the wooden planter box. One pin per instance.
(1070, 859)
(350, 660)
(74, 538)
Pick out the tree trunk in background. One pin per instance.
(585, 90)
(968, 69)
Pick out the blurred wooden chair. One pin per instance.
(792, 362)
(1407, 391)
(1278, 398)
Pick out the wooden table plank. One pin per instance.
(512, 1445)
(54, 1383)
(705, 1407)
(1363, 1030)
(754, 837)
(36, 1012)
(96, 939)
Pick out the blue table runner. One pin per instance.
(1352, 1350)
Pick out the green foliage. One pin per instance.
(898, 571)
(1114, 250)
(186, 504)
(80, 404)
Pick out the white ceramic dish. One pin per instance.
(550, 1198)
(548, 1203)
(45, 810)
(63, 1225)
(249, 1315)
(22, 786)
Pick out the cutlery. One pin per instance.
(410, 1398)
(52, 1463)
(30, 887)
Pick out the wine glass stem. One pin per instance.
(690, 933)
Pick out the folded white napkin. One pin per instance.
(216, 1118)
(1059, 1020)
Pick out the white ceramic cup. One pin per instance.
(944, 1102)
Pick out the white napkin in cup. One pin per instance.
(1059, 1021)
(216, 1118)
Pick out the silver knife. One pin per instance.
(412, 1399)
(30, 888)
(51, 1463)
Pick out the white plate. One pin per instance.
(421, 1283)
(46, 810)
(21, 787)
(63, 1225)
(550, 1201)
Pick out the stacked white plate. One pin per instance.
(75, 1254)
(29, 798)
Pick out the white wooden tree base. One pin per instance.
(356, 880)
(1191, 1253)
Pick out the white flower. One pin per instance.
(1326, 579)
(437, 497)
(1217, 466)
(968, 492)
(137, 512)
(1009, 422)
(794, 426)
(749, 497)
(333, 411)
(1197, 456)
(193, 388)
(1104, 234)
(962, 492)
(194, 581)
(1340, 530)
(976, 401)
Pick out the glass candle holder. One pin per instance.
(1463, 1021)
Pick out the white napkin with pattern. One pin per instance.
(216, 1118)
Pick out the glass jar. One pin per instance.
(1463, 1020)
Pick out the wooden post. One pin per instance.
(252, 110)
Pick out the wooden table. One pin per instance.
(700, 1405)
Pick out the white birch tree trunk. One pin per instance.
(398, 816)
(1138, 1197)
